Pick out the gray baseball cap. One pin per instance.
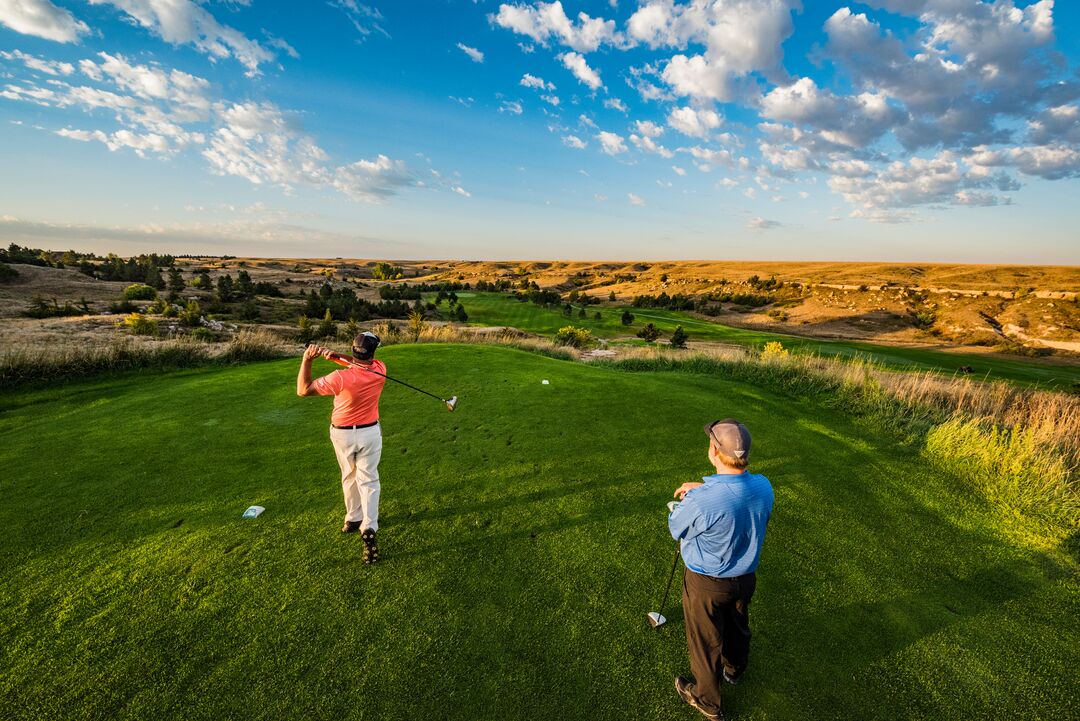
(364, 345)
(730, 436)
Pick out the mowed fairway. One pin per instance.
(498, 309)
(523, 541)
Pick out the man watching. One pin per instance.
(355, 433)
(720, 525)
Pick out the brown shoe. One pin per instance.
(686, 690)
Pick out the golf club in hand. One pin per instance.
(349, 361)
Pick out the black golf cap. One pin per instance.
(364, 345)
(730, 436)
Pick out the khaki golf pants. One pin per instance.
(358, 452)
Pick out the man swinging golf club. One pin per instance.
(354, 431)
(720, 525)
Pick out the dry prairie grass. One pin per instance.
(1020, 447)
(30, 363)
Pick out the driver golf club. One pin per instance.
(451, 402)
(656, 618)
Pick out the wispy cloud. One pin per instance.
(365, 18)
(475, 55)
(183, 22)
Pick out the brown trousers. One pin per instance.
(716, 615)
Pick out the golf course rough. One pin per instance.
(523, 540)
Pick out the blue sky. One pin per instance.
(903, 130)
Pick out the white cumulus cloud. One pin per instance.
(695, 123)
(531, 81)
(546, 22)
(42, 19)
(611, 143)
(577, 65)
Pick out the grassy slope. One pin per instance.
(523, 541)
(499, 309)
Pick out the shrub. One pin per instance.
(327, 327)
(387, 271)
(627, 317)
(7, 273)
(204, 334)
(41, 309)
(924, 319)
(349, 331)
(774, 349)
(649, 333)
(192, 314)
(123, 306)
(305, 333)
(416, 324)
(679, 337)
(139, 324)
(254, 345)
(139, 291)
(574, 337)
(249, 311)
(779, 315)
(596, 315)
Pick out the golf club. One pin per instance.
(349, 361)
(656, 618)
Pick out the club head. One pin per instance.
(655, 619)
(451, 404)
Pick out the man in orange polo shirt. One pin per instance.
(355, 433)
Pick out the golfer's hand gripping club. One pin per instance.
(350, 362)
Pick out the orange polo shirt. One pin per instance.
(356, 394)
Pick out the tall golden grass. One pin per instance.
(1019, 446)
(29, 363)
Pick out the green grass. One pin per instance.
(523, 541)
(497, 309)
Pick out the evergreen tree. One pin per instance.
(627, 317)
(461, 315)
(305, 330)
(224, 288)
(244, 287)
(176, 281)
(327, 328)
(153, 278)
(649, 333)
(679, 337)
(204, 280)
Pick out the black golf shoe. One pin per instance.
(686, 690)
(350, 527)
(733, 680)
(371, 547)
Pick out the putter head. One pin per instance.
(451, 404)
(655, 619)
